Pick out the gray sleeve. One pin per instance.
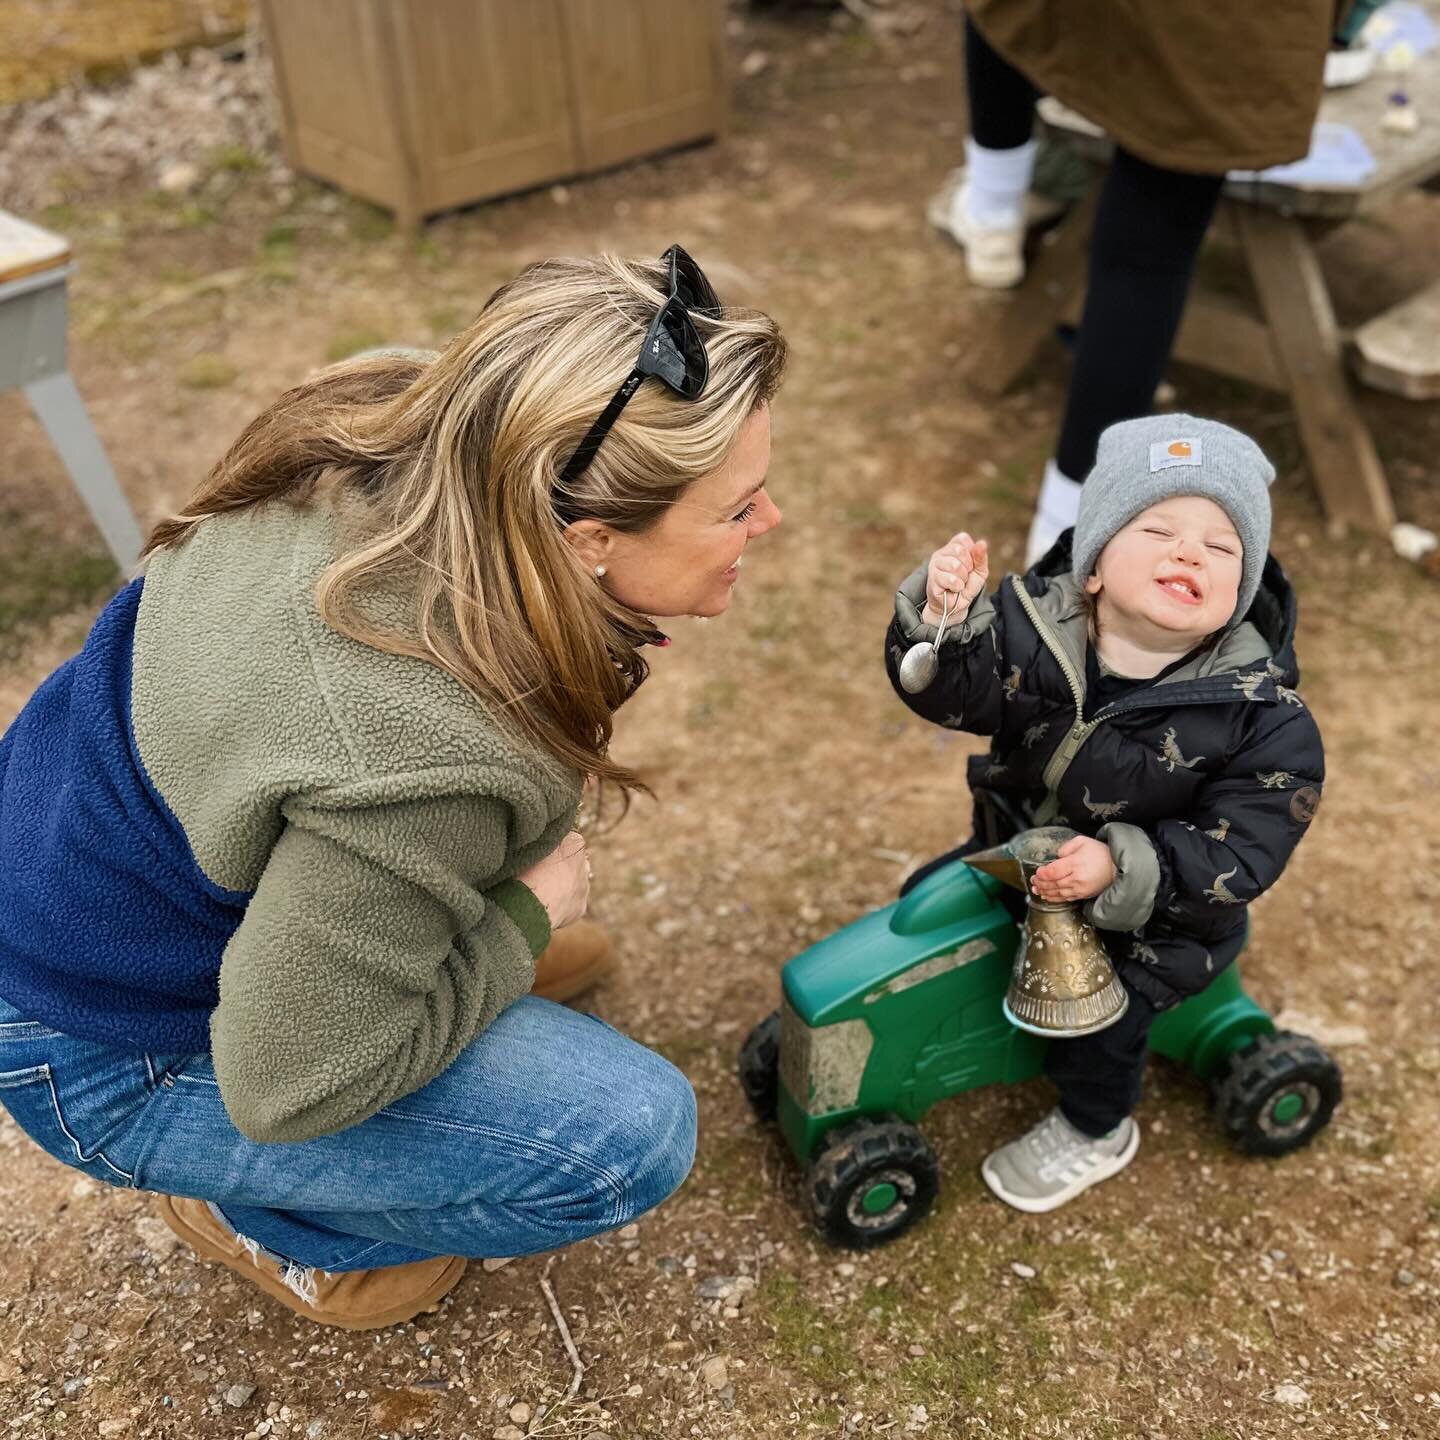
(961, 630)
(1129, 901)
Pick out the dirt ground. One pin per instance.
(56, 42)
(1199, 1296)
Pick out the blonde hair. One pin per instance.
(458, 459)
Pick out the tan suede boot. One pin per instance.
(576, 958)
(356, 1300)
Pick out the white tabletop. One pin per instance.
(26, 248)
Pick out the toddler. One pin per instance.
(1139, 686)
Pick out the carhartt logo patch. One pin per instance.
(1180, 451)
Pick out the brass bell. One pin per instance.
(1063, 983)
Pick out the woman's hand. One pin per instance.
(561, 881)
(1084, 868)
(958, 569)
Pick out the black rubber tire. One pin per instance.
(866, 1153)
(760, 1067)
(1256, 1078)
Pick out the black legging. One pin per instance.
(1148, 231)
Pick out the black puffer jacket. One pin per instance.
(1202, 784)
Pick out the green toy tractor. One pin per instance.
(902, 1009)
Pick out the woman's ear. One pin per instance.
(1093, 585)
(592, 541)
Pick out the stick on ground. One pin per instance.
(564, 1329)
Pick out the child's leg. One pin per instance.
(1089, 1136)
(1099, 1076)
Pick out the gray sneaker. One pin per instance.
(1054, 1162)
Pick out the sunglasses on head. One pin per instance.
(672, 352)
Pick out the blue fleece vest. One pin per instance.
(109, 930)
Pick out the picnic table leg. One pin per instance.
(1292, 293)
(1032, 314)
(62, 412)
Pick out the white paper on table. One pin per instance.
(1338, 157)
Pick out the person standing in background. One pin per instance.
(1187, 93)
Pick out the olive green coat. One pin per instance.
(1196, 87)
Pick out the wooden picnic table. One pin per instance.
(1292, 343)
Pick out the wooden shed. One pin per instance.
(423, 105)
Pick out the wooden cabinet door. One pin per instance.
(331, 69)
(486, 106)
(646, 75)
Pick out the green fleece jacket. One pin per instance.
(362, 816)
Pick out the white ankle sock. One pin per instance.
(1056, 510)
(1059, 498)
(997, 182)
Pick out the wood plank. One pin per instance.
(1399, 351)
(1034, 310)
(329, 61)
(1220, 335)
(1307, 340)
(647, 75)
(485, 97)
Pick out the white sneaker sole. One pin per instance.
(1001, 272)
(1033, 1206)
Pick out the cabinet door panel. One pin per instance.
(486, 101)
(646, 75)
(331, 68)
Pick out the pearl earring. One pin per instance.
(599, 570)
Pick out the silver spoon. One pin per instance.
(921, 662)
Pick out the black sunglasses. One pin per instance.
(672, 351)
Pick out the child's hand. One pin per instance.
(1083, 870)
(958, 569)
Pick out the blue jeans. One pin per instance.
(548, 1128)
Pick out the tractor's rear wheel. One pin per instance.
(760, 1067)
(872, 1181)
(1276, 1094)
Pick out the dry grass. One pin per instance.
(48, 43)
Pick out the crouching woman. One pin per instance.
(279, 847)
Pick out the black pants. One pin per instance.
(1148, 231)
(1098, 1076)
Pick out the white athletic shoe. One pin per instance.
(1055, 511)
(1054, 1162)
(994, 255)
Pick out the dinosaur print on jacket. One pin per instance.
(1170, 755)
(1102, 810)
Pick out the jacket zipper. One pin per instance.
(1082, 729)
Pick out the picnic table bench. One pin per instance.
(1291, 342)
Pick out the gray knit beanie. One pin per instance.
(1142, 462)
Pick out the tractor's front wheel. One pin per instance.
(1276, 1094)
(873, 1180)
(760, 1067)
